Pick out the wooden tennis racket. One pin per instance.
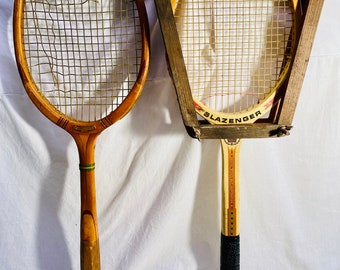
(238, 56)
(83, 64)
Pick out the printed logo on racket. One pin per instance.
(237, 120)
(240, 118)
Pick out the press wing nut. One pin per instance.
(283, 131)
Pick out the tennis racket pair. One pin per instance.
(84, 63)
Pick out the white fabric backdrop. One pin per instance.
(158, 189)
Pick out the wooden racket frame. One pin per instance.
(84, 133)
(280, 121)
(277, 124)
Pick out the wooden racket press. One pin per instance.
(279, 122)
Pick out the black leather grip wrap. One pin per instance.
(230, 252)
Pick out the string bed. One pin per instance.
(236, 52)
(84, 55)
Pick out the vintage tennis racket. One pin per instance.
(238, 55)
(83, 64)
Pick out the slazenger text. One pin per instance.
(237, 120)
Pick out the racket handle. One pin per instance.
(230, 252)
(89, 242)
(89, 253)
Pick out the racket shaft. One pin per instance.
(89, 240)
(89, 245)
(230, 240)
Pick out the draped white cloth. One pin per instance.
(158, 190)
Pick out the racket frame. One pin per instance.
(277, 124)
(84, 133)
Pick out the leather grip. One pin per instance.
(230, 252)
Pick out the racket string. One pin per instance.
(235, 51)
(84, 55)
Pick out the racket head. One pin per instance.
(83, 63)
(238, 55)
